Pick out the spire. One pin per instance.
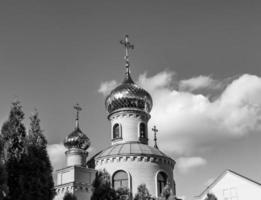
(78, 109)
(127, 45)
(155, 130)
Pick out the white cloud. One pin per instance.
(106, 87)
(185, 164)
(199, 82)
(57, 156)
(157, 82)
(190, 122)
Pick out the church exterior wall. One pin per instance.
(141, 170)
(76, 180)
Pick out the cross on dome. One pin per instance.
(78, 109)
(155, 130)
(125, 42)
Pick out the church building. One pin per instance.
(129, 159)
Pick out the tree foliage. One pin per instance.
(3, 174)
(123, 193)
(166, 192)
(35, 136)
(13, 132)
(211, 197)
(37, 169)
(143, 193)
(27, 163)
(102, 189)
(69, 196)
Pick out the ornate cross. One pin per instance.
(78, 108)
(127, 46)
(155, 130)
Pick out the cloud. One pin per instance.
(185, 164)
(199, 82)
(190, 122)
(158, 82)
(106, 87)
(57, 156)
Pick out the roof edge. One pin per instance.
(221, 176)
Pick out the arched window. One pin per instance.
(116, 131)
(142, 130)
(161, 181)
(120, 180)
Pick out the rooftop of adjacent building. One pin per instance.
(228, 171)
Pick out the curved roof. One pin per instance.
(128, 95)
(77, 139)
(131, 148)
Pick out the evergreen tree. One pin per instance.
(69, 196)
(143, 193)
(13, 132)
(38, 181)
(3, 175)
(102, 188)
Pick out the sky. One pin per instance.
(200, 61)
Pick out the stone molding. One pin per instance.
(130, 113)
(139, 158)
(73, 186)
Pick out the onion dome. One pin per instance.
(77, 139)
(128, 95)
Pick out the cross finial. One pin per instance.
(155, 130)
(78, 108)
(127, 46)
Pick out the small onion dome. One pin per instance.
(77, 139)
(128, 95)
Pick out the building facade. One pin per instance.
(232, 186)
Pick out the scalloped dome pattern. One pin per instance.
(128, 95)
(130, 148)
(77, 139)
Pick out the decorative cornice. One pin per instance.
(135, 158)
(73, 186)
(129, 112)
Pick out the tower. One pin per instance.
(75, 178)
(130, 160)
(77, 144)
(128, 108)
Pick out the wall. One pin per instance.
(233, 187)
(141, 171)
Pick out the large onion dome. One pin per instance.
(128, 95)
(77, 139)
